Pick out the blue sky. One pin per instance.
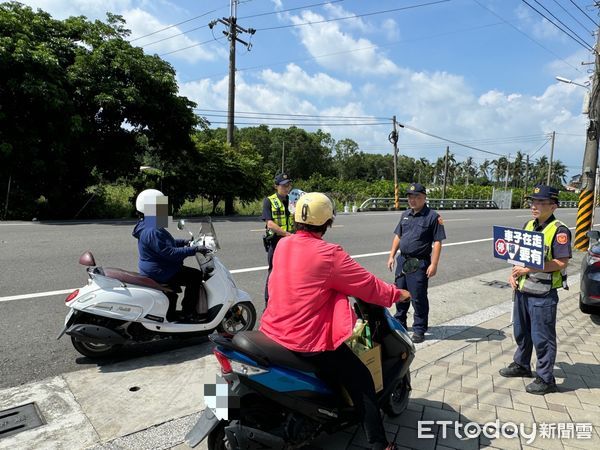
(479, 72)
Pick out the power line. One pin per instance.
(563, 24)
(584, 13)
(583, 44)
(354, 16)
(239, 18)
(177, 24)
(343, 52)
(573, 17)
(318, 116)
(527, 36)
(190, 46)
(539, 148)
(306, 124)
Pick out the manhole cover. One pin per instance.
(496, 284)
(21, 418)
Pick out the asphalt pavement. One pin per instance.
(40, 258)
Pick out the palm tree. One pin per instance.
(484, 169)
(540, 170)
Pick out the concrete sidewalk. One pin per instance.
(457, 380)
(151, 402)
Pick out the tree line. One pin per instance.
(80, 108)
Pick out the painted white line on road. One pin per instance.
(248, 269)
(35, 295)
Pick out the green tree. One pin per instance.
(80, 105)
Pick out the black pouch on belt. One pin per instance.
(411, 265)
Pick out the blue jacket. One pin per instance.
(161, 255)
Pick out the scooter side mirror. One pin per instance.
(181, 224)
(593, 234)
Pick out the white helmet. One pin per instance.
(314, 208)
(146, 197)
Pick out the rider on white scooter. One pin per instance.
(161, 256)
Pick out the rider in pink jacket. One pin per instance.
(309, 313)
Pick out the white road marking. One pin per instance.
(248, 269)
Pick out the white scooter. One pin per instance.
(118, 306)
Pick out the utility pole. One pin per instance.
(590, 161)
(551, 157)
(233, 30)
(507, 170)
(526, 175)
(282, 156)
(393, 138)
(445, 172)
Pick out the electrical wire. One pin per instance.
(354, 16)
(540, 147)
(239, 18)
(265, 114)
(564, 25)
(584, 13)
(343, 52)
(583, 44)
(573, 17)
(527, 36)
(354, 124)
(190, 46)
(177, 24)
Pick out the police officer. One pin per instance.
(536, 297)
(419, 237)
(279, 223)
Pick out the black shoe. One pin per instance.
(417, 338)
(193, 318)
(515, 370)
(540, 387)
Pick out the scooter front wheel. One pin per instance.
(398, 400)
(241, 317)
(92, 350)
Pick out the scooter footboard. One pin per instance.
(244, 437)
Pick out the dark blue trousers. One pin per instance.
(416, 283)
(270, 253)
(534, 325)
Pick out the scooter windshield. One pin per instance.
(208, 233)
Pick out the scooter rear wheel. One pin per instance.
(92, 350)
(398, 399)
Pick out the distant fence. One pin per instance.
(385, 204)
(568, 204)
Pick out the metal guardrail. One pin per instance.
(385, 204)
(567, 204)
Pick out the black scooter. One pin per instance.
(280, 401)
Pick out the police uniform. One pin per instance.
(276, 208)
(536, 300)
(417, 232)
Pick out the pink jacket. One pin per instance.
(308, 309)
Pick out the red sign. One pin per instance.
(501, 247)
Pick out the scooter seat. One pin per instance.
(255, 343)
(134, 278)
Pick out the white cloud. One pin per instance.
(294, 79)
(390, 27)
(540, 27)
(338, 12)
(327, 38)
(61, 9)
(142, 23)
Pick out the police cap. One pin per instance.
(416, 188)
(543, 192)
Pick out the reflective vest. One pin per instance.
(285, 221)
(540, 283)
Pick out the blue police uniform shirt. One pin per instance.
(561, 244)
(418, 231)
